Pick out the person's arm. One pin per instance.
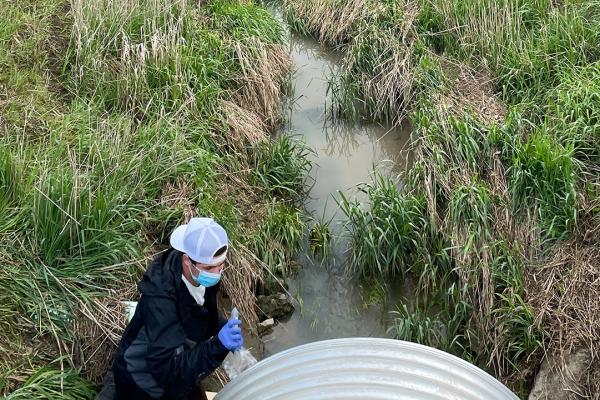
(176, 370)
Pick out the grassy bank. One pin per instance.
(120, 120)
(500, 219)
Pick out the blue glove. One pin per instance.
(230, 335)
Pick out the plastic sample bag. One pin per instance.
(238, 361)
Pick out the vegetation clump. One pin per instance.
(320, 240)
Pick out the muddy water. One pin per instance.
(331, 305)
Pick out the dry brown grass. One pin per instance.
(244, 272)
(98, 329)
(246, 127)
(381, 63)
(264, 68)
(565, 293)
(179, 194)
(330, 21)
(472, 92)
(20, 357)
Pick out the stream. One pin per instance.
(330, 304)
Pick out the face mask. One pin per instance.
(207, 279)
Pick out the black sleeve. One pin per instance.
(221, 321)
(176, 371)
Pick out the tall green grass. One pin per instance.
(245, 21)
(567, 37)
(480, 31)
(443, 327)
(279, 237)
(146, 58)
(543, 170)
(518, 334)
(282, 167)
(320, 240)
(10, 189)
(49, 383)
(385, 234)
(572, 113)
(26, 34)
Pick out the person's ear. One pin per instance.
(186, 261)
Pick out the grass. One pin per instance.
(48, 383)
(282, 167)
(330, 21)
(520, 335)
(245, 21)
(543, 170)
(567, 38)
(377, 78)
(155, 51)
(320, 240)
(122, 121)
(373, 293)
(383, 237)
(572, 114)
(280, 236)
(443, 330)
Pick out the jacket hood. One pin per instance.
(163, 277)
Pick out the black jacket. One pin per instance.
(171, 340)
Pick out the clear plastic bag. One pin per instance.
(237, 362)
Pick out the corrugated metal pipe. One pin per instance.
(364, 368)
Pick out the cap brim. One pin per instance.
(218, 260)
(176, 239)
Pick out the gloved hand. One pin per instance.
(230, 335)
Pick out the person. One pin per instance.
(177, 335)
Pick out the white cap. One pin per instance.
(200, 239)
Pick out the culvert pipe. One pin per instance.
(364, 368)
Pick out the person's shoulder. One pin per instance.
(163, 275)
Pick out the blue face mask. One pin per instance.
(207, 279)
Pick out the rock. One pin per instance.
(266, 326)
(276, 306)
(271, 287)
(561, 382)
(295, 267)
